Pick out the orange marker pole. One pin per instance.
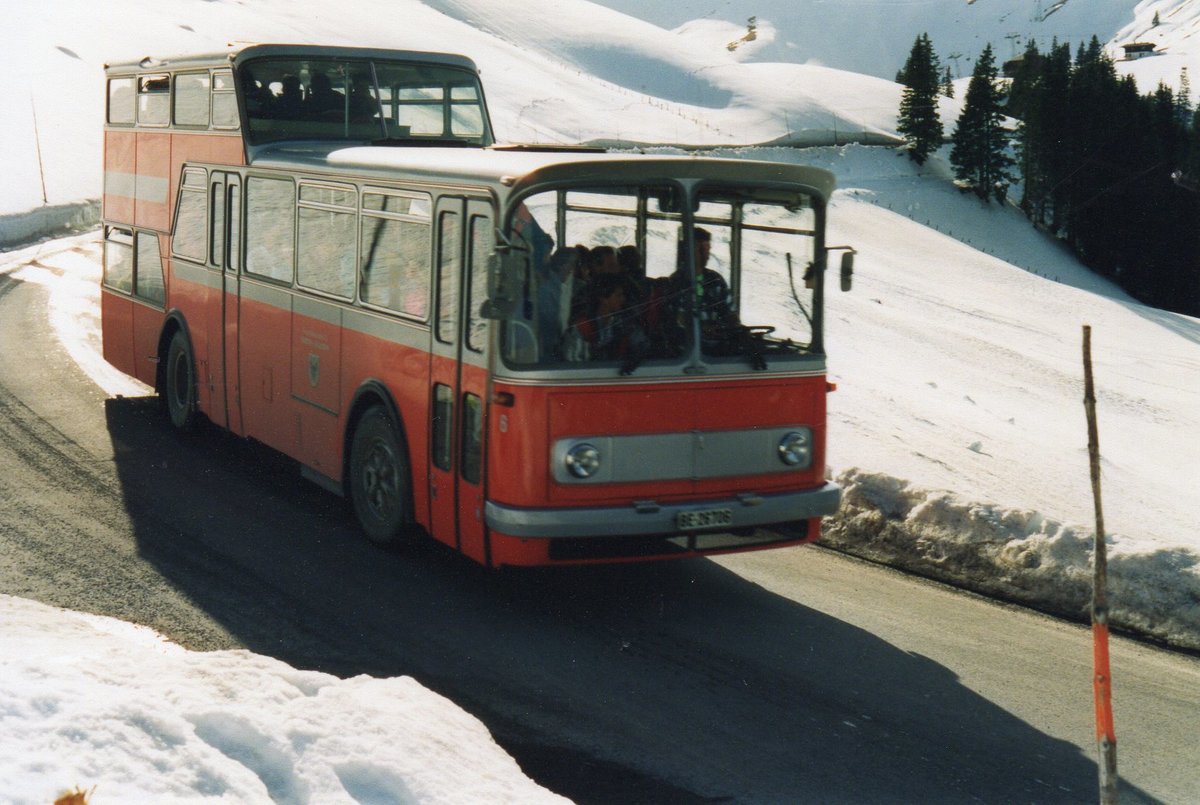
(1106, 736)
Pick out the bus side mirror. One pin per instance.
(505, 268)
(847, 270)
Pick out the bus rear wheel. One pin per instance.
(180, 383)
(380, 479)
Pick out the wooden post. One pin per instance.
(1106, 738)
(37, 141)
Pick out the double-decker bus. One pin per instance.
(535, 356)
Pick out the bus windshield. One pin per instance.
(613, 279)
(326, 98)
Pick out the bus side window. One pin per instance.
(148, 276)
(395, 253)
(482, 245)
(472, 438)
(121, 101)
(191, 217)
(443, 417)
(449, 263)
(328, 220)
(154, 100)
(270, 227)
(118, 260)
(224, 101)
(191, 99)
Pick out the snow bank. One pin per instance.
(94, 702)
(58, 219)
(1016, 554)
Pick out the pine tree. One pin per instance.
(980, 153)
(948, 82)
(1101, 117)
(918, 120)
(1183, 98)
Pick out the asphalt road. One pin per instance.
(785, 676)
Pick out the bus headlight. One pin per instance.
(583, 460)
(795, 448)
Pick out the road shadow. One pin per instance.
(664, 682)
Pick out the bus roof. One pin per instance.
(238, 53)
(522, 169)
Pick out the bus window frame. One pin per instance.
(108, 107)
(135, 235)
(430, 251)
(175, 101)
(184, 187)
(216, 74)
(245, 269)
(144, 80)
(302, 182)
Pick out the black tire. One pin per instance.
(380, 482)
(179, 383)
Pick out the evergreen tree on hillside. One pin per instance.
(918, 120)
(1043, 86)
(1101, 119)
(1183, 98)
(980, 153)
(948, 82)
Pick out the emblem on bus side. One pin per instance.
(314, 368)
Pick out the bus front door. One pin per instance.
(458, 375)
(231, 301)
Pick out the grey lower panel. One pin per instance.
(654, 518)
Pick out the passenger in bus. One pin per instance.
(630, 261)
(322, 102)
(608, 330)
(714, 305)
(363, 107)
(603, 260)
(579, 292)
(289, 104)
(258, 97)
(555, 282)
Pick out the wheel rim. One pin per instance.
(181, 383)
(381, 480)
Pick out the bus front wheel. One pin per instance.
(379, 478)
(180, 383)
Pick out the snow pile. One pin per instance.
(92, 701)
(1015, 554)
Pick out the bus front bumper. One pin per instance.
(743, 511)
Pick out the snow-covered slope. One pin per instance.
(874, 36)
(557, 72)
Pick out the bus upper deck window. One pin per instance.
(121, 104)
(224, 100)
(191, 99)
(154, 100)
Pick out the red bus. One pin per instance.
(535, 356)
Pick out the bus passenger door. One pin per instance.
(458, 375)
(231, 306)
(213, 321)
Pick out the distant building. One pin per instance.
(1009, 68)
(1138, 50)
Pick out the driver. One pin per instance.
(714, 305)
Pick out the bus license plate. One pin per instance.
(704, 518)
